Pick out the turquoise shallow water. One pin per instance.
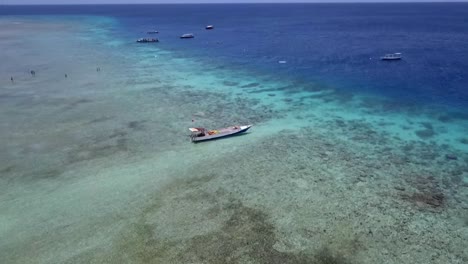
(97, 166)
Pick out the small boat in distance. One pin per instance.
(392, 56)
(201, 134)
(147, 40)
(189, 35)
(152, 32)
(209, 27)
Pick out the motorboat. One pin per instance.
(391, 56)
(153, 32)
(201, 134)
(189, 35)
(209, 27)
(147, 40)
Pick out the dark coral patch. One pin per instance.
(453, 116)
(77, 103)
(247, 233)
(7, 169)
(100, 119)
(136, 125)
(246, 237)
(429, 193)
(451, 156)
(434, 199)
(229, 83)
(459, 115)
(326, 256)
(45, 174)
(444, 118)
(250, 85)
(425, 133)
(88, 152)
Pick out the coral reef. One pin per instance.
(326, 256)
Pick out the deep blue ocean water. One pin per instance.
(336, 44)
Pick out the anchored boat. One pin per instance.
(392, 56)
(202, 134)
(189, 35)
(147, 40)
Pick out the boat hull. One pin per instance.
(225, 132)
(187, 36)
(390, 59)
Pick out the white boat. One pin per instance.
(392, 56)
(209, 27)
(147, 40)
(202, 134)
(189, 35)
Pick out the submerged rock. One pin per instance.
(451, 157)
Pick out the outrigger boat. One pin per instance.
(201, 134)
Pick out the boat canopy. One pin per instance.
(196, 129)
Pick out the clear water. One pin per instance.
(350, 159)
